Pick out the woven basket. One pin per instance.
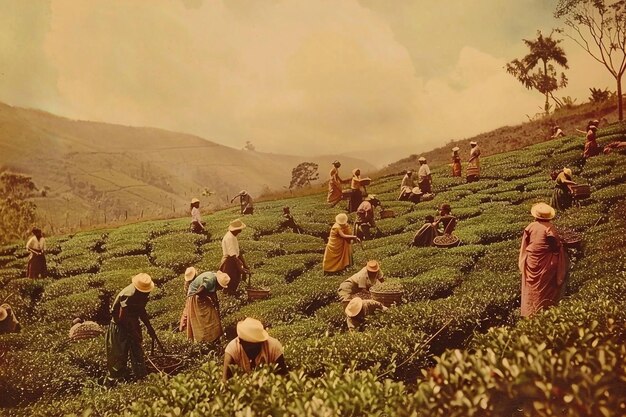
(258, 293)
(580, 191)
(438, 241)
(387, 298)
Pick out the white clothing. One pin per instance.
(38, 245)
(195, 215)
(362, 278)
(424, 171)
(230, 245)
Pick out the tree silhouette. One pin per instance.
(535, 70)
(17, 214)
(600, 29)
(303, 174)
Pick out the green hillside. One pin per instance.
(455, 346)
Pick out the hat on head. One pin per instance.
(354, 307)
(455, 149)
(243, 192)
(542, 211)
(422, 159)
(236, 225)
(251, 330)
(3, 313)
(567, 172)
(372, 266)
(194, 200)
(409, 171)
(143, 282)
(77, 320)
(341, 218)
(222, 278)
(593, 127)
(369, 197)
(335, 162)
(190, 273)
(596, 122)
(416, 190)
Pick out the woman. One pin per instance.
(36, 246)
(335, 193)
(252, 347)
(356, 191)
(245, 202)
(456, 162)
(233, 262)
(361, 281)
(542, 262)
(202, 306)
(562, 196)
(338, 253)
(443, 224)
(591, 144)
(473, 165)
(196, 220)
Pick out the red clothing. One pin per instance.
(456, 166)
(543, 270)
(591, 145)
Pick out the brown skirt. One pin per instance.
(230, 265)
(203, 319)
(37, 266)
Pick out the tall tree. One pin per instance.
(599, 27)
(17, 213)
(303, 174)
(536, 71)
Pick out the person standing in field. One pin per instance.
(202, 308)
(36, 247)
(233, 263)
(473, 165)
(196, 220)
(424, 177)
(562, 195)
(245, 202)
(356, 191)
(338, 252)
(542, 261)
(335, 193)
(591, 144)
(456, 162)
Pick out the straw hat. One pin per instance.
(422, 159)
(190, 273)
(542, 211)
(341, 218)
(456, 149)
(222, 278)
(243, 192)
(372, 266)
(194, 200)
(369, 197)
(143, 282)
(236, 225)
(409, 171)
(473, 143)
(3, 313)
(251, 330)
(416, 190)
(354, 307)
(567, 172)
(593, 127)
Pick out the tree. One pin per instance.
(599, 27)
(535, 70)
(17, 214)
(599, 95)
(303, 174)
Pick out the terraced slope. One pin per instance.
(455, 347)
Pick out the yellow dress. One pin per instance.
(338, 253)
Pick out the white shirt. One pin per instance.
(362, 279)
(195, 215)
(230, 245)
(38, 245)
(424, 171)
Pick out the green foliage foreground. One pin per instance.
(455, 347)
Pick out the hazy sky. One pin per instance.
(292, 76)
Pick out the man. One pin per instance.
(245, 201)
(424, 178)
(444, 224)
(365, 217)
(335, 193)
(358, 309)
(361, 281)
(406, 186)
(473, 165)
(233, 262)
(123, 337)
(8, 321)
(289, 222)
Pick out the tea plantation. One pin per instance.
(455, 346)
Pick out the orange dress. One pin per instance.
(456, 165)
(338, 253)
(334, 186)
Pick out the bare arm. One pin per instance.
(345, 236)
(226, 373)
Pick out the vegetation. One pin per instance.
(17, 213)
(455, 346)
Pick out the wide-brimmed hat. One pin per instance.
(243, 192)
(421, 159)
(354, 307)
(143, 282)
(416, 190)
(567, 172)
(372, 266)
(3, 313)
(251, 330)
(409, 171)
(341, 218)
(335, 162)
(456, 149)
(236, 225)
(542, 211)
(369, 197)
(194, 200)
(473, 143)
(593, 127)
(190, 273)
(595, 122)
(222, 278)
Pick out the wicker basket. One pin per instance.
(439, 241)
(580, 191)
(258, 293)
(168, 364)
(387, 298)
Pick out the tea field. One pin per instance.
(456, 346)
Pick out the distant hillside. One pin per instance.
(97, 171)
(509, 138)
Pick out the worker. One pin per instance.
(369, 275)
(591, 143)
(443, 224)
(8, 321)
(245, 202)
(123, 337)
(562, 195)
(202, 305)
(424, 177)
(358, 309)
(233, 262)
(406, 185)
(196, 220)
(614, 146)
(335, 193)
(356, 191)
(473, 164)
(82, 329)
(289, 222)
(36, 247)
(456, 162)
(557, 132)
(365, 217)
(338, 252)
(252, 347)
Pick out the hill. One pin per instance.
(456, 346)
(508, 138)
(97, 172)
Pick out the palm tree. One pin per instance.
(535, 70)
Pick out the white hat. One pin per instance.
(222, 278)
(143, 282)
(542, 211)
(473, 143)
(369, 197)
(455, 149)
(567, 172)
(422, 159)
(341, 218)
(190, 273)
(3, 313)
(194, 200)
(416, 190)
(251, 330)
(354, 307)
(236, 225)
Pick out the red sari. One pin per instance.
(543, 270)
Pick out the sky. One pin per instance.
(382, 78)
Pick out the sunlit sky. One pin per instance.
(291, 76)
